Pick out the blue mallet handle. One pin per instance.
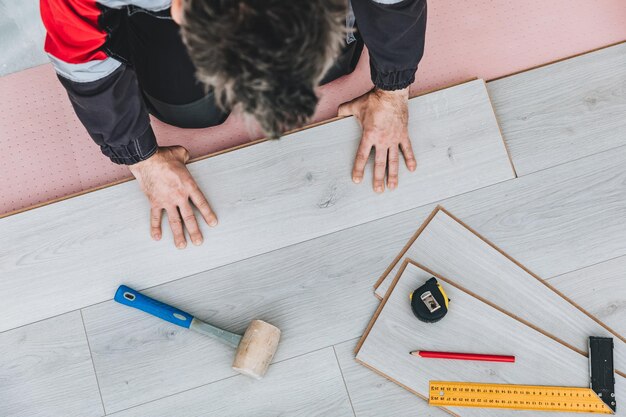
(127, 296)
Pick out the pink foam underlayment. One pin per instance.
(45, 152)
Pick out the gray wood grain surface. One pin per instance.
(76, 252)
(564, 111)
(469, 326)
(373, 395)
(306, 386)
(46, 370)
(449, 249)
(553, 221)
(319, 291)
(600, 289)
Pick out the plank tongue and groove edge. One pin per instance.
(448, 247)
(75, 253)
(470, 326)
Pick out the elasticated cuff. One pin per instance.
(139, 149)
(392, 80)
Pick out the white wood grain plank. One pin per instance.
(564, 111)
(267, 196)
(449, 249)
(306, 386)
(469, 326)
(600, 289)
(553, 221)
(46, 370)
(373, 395)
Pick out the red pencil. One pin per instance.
(463, 356)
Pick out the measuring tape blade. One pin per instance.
(517, 397)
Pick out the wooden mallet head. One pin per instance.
(256, 349)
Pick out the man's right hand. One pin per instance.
(169, 186)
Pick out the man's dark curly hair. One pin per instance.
(265, 55)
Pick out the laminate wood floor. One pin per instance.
(302, 255)
(270, 195)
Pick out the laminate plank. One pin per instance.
(450, 249)
(306, 386)
(564, 111)
(46, 370)
(600, 289)
(267, 196)
(373, 395)
(470, 326)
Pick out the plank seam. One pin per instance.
(343, 378)
(506, 146)
(93, 364)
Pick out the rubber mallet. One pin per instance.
(255, 349)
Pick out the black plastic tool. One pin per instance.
(429, 302)
(601, 367)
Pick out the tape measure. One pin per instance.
(429, 302)
(517, 397)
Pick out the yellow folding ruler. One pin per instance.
(518, 397)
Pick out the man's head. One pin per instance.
(265, 55)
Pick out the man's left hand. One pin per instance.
(384, 117)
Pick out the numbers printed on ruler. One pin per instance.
(524, 397)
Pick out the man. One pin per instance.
(122, 59)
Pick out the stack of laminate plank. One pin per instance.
(497, 306)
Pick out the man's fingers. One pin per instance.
(203, 206)
(407, 151)
(176, 225)
(191, 224)
(155, 222)
(392, 167)
(362, 155)
(380, 165)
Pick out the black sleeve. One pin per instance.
(113, 112)
(394, 35)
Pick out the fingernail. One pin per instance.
(197, 242)
(156, 237)
(357, 179)
(379, 189)
(412, 168)
(392, 186)
(213, 222)
(182, 245)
